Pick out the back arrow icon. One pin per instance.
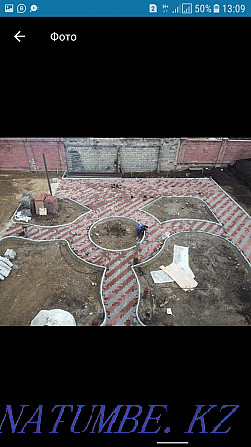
(18, 35)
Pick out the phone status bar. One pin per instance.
(130, 8)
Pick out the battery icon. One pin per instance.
(216, 9)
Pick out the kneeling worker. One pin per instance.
(141, 230)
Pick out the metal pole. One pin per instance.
(159, 151)
(47, 174)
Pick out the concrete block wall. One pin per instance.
(92, 154)
(139, 155)
(127, 154)
(168, 154)
(27, 154)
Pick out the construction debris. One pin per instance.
(5, 267)
(45, 200)
(163, 304)
(53, 317)
(145, 293)
(10, 254)
(25, 202)
(20, 216)
(180, 258)
(160, 277)
(24, 210)
(4, 270)
(25, 232)
(6, 261)
(42, 211)
(180, 276)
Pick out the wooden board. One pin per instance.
(180, 276)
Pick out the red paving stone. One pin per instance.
(120, 291)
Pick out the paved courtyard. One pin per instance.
(120, 290)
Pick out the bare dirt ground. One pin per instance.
(12, 186)
(68, 211)
(115, 234)
(178, 208)
(47, 275)
(222, 296)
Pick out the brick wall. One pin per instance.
(27, 154)
(13, 155)
(113, 154)
(214, 151)
(237, 150)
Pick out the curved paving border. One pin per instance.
(181, 197)
(120, 289)
(110, 218)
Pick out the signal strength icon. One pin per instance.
(177, 10)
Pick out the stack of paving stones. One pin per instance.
(120, 287)
(5, 263)
(24, 210)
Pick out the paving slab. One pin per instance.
(120, 285)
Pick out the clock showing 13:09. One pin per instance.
(234, 9)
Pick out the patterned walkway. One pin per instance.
(120, 286)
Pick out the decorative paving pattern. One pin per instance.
(120, 287)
